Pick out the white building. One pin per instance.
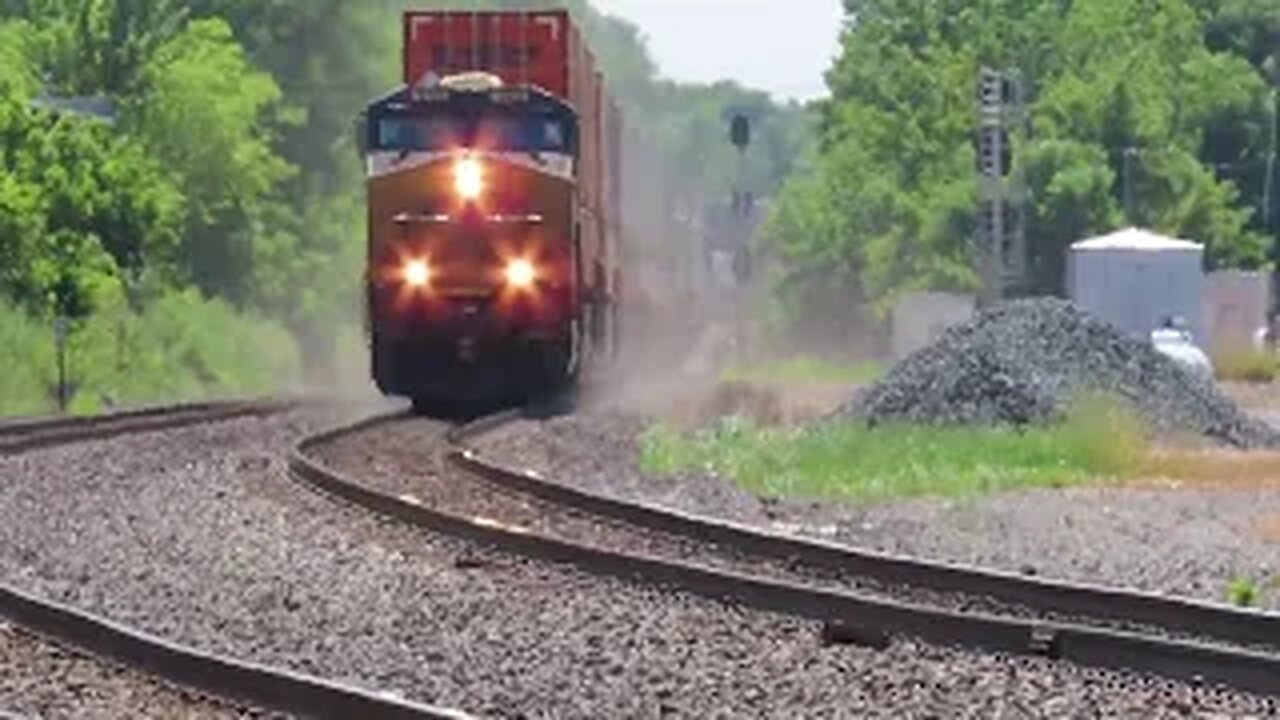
(1135, 279)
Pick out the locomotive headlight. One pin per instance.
(417, 273)
(521, 274)
(468, 178)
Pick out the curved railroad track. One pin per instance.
(24, 435)
(861, 597)
(217, 675)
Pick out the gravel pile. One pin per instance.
(1026, 361)
(39, 679)
(198, 535)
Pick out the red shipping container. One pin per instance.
(522, 48)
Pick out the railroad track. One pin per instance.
(264, 687)
(24, 435)
(860, 596)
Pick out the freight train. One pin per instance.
(496, 206)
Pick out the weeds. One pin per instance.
(1243, 592)
(180, 347)
(852, 462)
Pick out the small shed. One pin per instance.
(1135, 279)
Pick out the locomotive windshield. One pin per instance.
(514, 133)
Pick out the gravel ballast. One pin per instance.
(39, 679)
(208, 543)
(1027, 361)
(1189, 541)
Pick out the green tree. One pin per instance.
(1071, 196)
(204, 112)
(1149, 102)
(89, 47)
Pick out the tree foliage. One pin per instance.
(1174, 97)
(204, 112)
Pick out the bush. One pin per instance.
(28, 358)
(180, 347)
(1243, 592)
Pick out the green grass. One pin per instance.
(181, 347)
(803, 369)
(852, 462)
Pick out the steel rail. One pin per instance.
(25, 435)
(1071, 599)
(850, 613)
(215, 675)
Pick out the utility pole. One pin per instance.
(1130, 153)
(1270, 218)
(60, 327)
(1268, 212)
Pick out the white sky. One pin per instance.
(782, 46)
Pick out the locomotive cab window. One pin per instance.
(419, 133)
(504, 133)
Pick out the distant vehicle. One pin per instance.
(1173, 340)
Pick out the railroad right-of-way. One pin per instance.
(66, 662)
(40, 679)
(200, 536)
(412, 484)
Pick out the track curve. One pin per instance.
(265, 687)
(261, 686)
(24, 435)
(866, 619)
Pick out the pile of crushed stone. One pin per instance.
(1026, 361)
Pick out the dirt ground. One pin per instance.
(1254, 396)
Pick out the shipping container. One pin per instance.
(522, 48)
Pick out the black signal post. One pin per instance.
(740, 132)
(743, 209)
(1001, 189)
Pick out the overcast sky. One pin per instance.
(782, 46)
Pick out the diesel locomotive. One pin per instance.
(493, 191)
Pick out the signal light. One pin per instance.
(468, 178)
(417, 273)
(521, 274)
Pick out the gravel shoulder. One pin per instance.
(199, 536)
(39, 679)
(1186, 540)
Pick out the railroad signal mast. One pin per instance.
(743, 209)
(1002, 192)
